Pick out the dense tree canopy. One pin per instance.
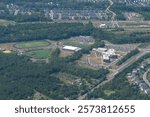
(59, 31)
(20, 78)
(52, 31)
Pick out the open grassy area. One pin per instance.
(76, 44)
(33, 44)
(66, 78)
(39, 96)
(109, 92)
(39, 54)
(6, 22)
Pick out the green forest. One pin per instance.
(20, 77)
(59, 31)
(119, 8)
(37, 31)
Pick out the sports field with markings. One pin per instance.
(76, 44)
(39, 54)
(33, 44)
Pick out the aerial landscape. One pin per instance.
(75, 49)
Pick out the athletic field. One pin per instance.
(76, 44)
(39, 54)
(33, 44)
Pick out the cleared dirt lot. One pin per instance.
(6, 46)
(91, 61)
(95, 60)
(65, 53)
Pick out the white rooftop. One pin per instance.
(105, 57)
(72, 48)
(102, 25)
(102, 49)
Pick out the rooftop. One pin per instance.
(72, 48)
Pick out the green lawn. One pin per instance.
(76, 44)
(39, 54)
(32, 44)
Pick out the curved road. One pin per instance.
(145, 77)
(108, 10)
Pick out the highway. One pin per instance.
(145, 77)
(111, 76)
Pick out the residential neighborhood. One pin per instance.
(138, 77)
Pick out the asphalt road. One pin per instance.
(111, 76)
(145, 77)
(108, 9)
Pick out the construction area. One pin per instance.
(6, 48)
(98, 57)
(105, 57)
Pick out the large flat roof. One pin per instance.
(72, 48)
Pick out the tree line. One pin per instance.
(119, 8)
(59, 31)
(20, 78)
(127, 56)
(40, 31)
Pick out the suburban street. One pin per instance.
(113, 14)
(108, 10)
(111, 76)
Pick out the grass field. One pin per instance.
(76, 44)
(39, 54)
(109, 92)
(66, 78)
(6, 22)
(33, 44)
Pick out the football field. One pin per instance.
(39, 54)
